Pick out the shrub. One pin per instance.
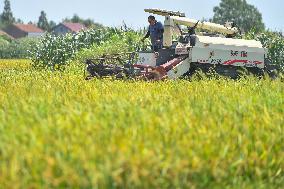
(18, 48)
(3, 41)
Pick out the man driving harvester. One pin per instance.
(155, 32)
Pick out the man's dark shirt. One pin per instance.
(155, 32)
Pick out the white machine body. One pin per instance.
(179, 70)
(216, 50)
(228, 51)
(147, 59)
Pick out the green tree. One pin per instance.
(89, 23)
(43, 22)
(52, 24)
(7, 15)
(19, 21)
(246, 16)
(76, 19)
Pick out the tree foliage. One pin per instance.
(52, 24)
(89, 23)
(246, 16)
(7, 15)
(19, 21)
(43, 22)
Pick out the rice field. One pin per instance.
(59, 131)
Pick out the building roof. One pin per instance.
(75, 27)
(29, 28)
(4, 33)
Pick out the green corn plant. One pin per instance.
(54, 52)
(274, 42)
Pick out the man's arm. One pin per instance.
(147, 34)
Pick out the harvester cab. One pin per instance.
(201, 51)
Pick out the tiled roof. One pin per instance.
(29, 28)
(4, 33)
(75, 27)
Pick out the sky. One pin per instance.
(114, 12)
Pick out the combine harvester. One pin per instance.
(207, 51)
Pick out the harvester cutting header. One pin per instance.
(217, 50)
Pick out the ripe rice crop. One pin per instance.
(59, 131)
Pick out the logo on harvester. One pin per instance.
(239, 53)
(142, 59)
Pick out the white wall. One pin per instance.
(35, 34)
